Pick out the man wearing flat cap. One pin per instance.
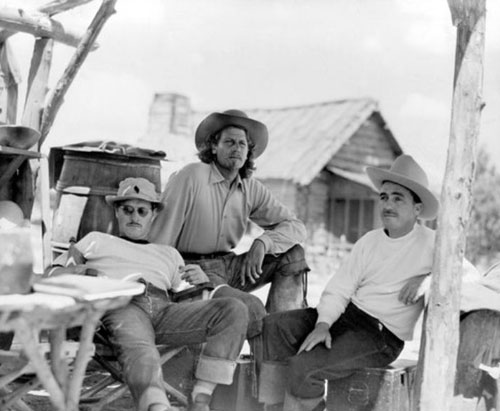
(210, 205)
(368, 308)
(152, 317)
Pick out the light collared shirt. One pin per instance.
(204, 214)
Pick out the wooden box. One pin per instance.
(238, 396)
(374, 389)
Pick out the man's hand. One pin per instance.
(321, 333)
(252, 263)
(414, 289)
(193, 274)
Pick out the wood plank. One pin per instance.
(11, 169)
(440, 336)
(38, 24)
(43, 182)
(37, 83)
(18, 151)
(11, 79)
(58, 6)
(51, 8)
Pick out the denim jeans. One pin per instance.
(225, 270)
(358, 341)
(151, 319)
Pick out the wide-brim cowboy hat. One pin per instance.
(406, 172)
(256, 131)
(136, 188)
(21, 137)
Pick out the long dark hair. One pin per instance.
(207, 156)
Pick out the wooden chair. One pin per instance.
(111, 386)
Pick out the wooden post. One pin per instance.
(56, 98)
(11, 79)
(435, 389)
(37, 83)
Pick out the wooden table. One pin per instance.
(28, 315)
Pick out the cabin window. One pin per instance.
(352, 217)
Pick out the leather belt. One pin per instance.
(211, 256)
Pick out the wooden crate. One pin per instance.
(374, 389)
(237, 396)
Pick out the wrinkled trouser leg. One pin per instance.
(133, 336)
(356, 343)
(256, 310)
(151, 319)
(286, 273)
(219, 323)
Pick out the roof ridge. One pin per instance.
(369, 100)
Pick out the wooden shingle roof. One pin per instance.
(303, 139)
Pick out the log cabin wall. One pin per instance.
(339, 205)
(372, 144)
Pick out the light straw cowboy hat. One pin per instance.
(406, 172)
(256, 131)
(135, 188)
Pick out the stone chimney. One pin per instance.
(169, 113)
(170, 127)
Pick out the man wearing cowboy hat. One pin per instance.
(152, 318)
(368, 308)
(210, 205)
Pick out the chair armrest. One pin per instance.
(191, 292)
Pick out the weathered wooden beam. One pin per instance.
(51, 8)
(37, 88)
(58, 6)
(441, 336)
(11, 79)
(36, 23)
(56, 97)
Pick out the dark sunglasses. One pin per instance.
(129, 210)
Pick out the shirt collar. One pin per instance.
(134, 241)
(216, 176)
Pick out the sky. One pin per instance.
(272, 53)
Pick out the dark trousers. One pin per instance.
(358, 341)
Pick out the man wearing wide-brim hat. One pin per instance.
(210, 206)
(368, 308)
(152, 317)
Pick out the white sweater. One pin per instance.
(372, 277)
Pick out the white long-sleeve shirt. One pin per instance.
(373, 275)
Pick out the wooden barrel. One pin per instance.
(86, 177)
